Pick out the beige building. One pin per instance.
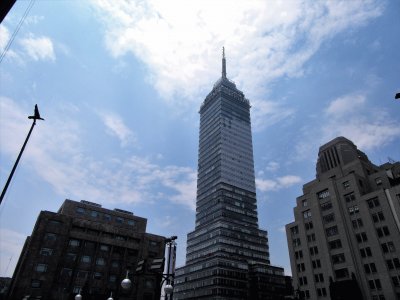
(345, 240)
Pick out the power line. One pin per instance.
(17, 29)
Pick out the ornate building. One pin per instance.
(227, 254)
(345, 240)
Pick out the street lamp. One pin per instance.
(36, 116)
(78, 296)
(110, 298)
(126, 283)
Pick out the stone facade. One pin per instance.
(345, 240)
(89, 248)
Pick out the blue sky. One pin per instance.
(120, 84)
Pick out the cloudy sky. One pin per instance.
(120, 83)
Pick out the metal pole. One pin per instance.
(16, 163)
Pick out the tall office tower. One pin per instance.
(88, 249)
(345, 240)
(227, 252)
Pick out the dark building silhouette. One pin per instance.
(227, 254)
(345, 240)
(86, 247)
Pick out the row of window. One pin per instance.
(104, 216)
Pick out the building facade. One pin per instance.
(345, 240)
(227, 251)
(88, 249)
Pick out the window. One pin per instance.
(374, 202)
(298, 254)
(365, 252)
(388, 247)
(321, 292)
(70, 256)
(97, 275)
(89, 245)
(323, 194)
(131, 222)
(331, 231)
(301, 267)
(94, 213)
(353, 210)
(82, 274)
(346, 185)
(86, 259)
(119, 220)
(378, 217)
(336, 244)
(383, 231)
(361, 237)
(105, 248)
(316, 264)
(308, 225)
(375, 284)
(120, 238)
(329, 218)
(35, 283)
(50, 236)
(378, 181)
(304, 203)
(396, 280)
(41, 268)
(370, 268)
(80, 210)
(76, 289)
(294, 230)
(296, 242)
(342, 273)
(350, 197)
(311, 237)
(358, 223)
(55, 222)
(112, 278)
(393, 263)
(46, 251)
(100, 261)
(106, 217)
(326, 205)
(307, 214)
(314, 250)
(319, 277)
(338, 258)
(74, 243)
(115, 264)
(303, 280)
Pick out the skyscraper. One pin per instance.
(345, 240)
(227, 252)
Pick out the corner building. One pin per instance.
(345, 240)
(88, 249)
(227, 252)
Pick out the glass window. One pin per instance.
(41, 268)
(94, 213)
(46, 251)
(100, 261)
(329, 218)
(36, 283)
(323, 194)
(331, 231)
(350, 197)
(106, 217)
(80, 210)
(97, 275)
(105, 248)
(374, 202)
(49, 236)
(326, 205)
(115, 264)
(71, 256)
(112, 278)
(119, 220)
(74, 243)
(86, 259)
(304, 203)
(346, 185)
(307, 214)
(131, 222)
(82, 274)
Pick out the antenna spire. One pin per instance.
(223, 63)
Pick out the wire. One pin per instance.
(16, 30)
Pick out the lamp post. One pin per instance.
(36, 116)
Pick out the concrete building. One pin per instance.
(84, 247)
(345, 240)
(227, 254)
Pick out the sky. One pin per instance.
(120, 84)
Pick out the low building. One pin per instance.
(88, 249)
(345, 240)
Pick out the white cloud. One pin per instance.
(11, 243)
(4, 37)
(347, 104)
(56, 155)
(116, 127)
(265, 185)
(38, 48)
(272, 166)
(181, 42)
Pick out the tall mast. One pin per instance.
(223, 63)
